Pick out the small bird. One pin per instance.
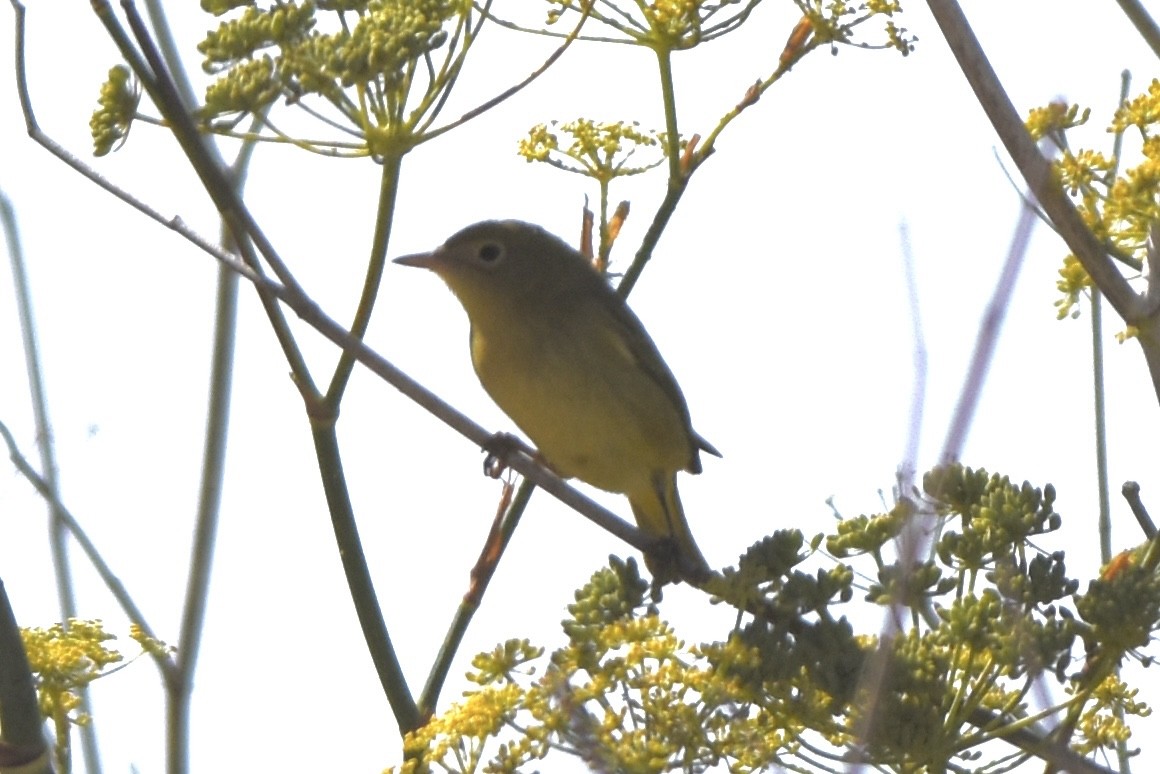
(562, 354)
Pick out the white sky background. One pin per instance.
(777, 296)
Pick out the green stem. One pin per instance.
(471, 602)
(1105, 518)
(180, 688)
(678, 179)
(669, 98)
(604, 248)
(751, 97)
(57, 531)
(1104, 492)
(388, 195)
(358, 576)
(652, 236)
(205, 525)
(323, 415)
(169, 49)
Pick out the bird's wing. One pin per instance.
(625, 336)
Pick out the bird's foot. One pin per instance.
(663, 560)
(668, 565)
(499, 448)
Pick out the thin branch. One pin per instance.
(1049, 750)
(44, 435)
(1144, 23)
(497, 543)
(310, 313)
(1131, 492)
(206, 163)
(988, 337)
(108, 577)
(875, 673)
(382, 651)
(56, 149)
(1103, 489)
(507, 93)
(631, 38)
(376, 262)
(909, 466)
(57, 532)
(1115, 251)
(1036, 169)
(208, 512)
(964, 414)
(214, 451)
(148, 64)
(169, 50)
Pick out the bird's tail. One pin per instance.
(659, 514)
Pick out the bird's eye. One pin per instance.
(490, 252)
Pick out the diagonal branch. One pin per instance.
(1144, 23)
(1036, 169)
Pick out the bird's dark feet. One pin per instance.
(667, 565)
(499, 448)
(663, 560)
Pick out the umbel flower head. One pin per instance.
(380, 70)
(597, 150)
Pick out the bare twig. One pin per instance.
(108, 577)
(909, 465)
(1144, 23)
(988, 337)
(1131, 492)
(57, 532)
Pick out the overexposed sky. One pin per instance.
(777, 296)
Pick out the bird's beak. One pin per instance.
(420, 260)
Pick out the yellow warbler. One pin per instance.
(562, 354)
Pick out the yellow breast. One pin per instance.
(578, 393)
